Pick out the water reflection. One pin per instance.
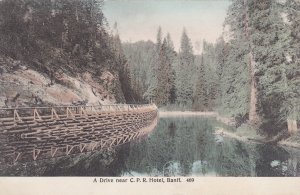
(178, 147)
(188, 146)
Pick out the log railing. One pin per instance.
(28, 133)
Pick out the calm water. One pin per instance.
(177, 147)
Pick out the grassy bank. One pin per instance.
(227, 127)
(292, 141)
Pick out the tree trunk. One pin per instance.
(292, 126)
(292, 121)
(253, 116)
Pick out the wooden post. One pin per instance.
(68, 151)
(16, 116)
(81, 147)
(36, 115)
(54, 114)
(93, 145)
(69, 113)
(82, 111)
(36, 152)
(53, 151)
(136, 135)
(131, 137)
(112, 142)
(119, 140)
(18, 155)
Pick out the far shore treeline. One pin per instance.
(251, 72)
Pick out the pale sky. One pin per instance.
(140, 19)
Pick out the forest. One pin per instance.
(62, 36)
(251, 72)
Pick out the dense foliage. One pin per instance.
(250, 73)
(263, 30)
(69, 36)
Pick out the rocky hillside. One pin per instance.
(21, 86)
(59, 52)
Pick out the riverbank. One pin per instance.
(241, 136)
(186, 114)
(243, 133)
(225, 120)
(246, 133)
(292, 141)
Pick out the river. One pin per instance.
(179, 146)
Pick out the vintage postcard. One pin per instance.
(149, 96)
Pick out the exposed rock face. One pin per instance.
(22, 86)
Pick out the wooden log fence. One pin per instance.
(48, 132)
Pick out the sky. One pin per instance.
(139, 19)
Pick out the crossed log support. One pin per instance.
(39, 125)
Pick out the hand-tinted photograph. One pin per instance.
(150, 88)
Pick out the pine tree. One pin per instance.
(158, 39)
(131, 95)
(269, 50)
(221, 52)
(277, 79)
(170, 44)
(152, 91)
(210, 75)
(200, 96)
(184, 87)
(172, 57)
(236, 80)
(140, 56)
(262, 38)
(292, 9)
(253, 116)
(164, 76)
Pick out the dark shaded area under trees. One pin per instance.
(69, 36)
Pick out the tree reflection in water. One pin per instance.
(177, 147)
(188, 146)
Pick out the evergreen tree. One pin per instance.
(235, 81)
(200, 96)
(158, 39)
(262, 38)
(185, 68)
(152, 91)
(61, 36)
(164, 76)
(292, 106)
(130, 95)
(172, 57)
(210, 74)
(270, 42)
(169, 41)
(221, 52)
